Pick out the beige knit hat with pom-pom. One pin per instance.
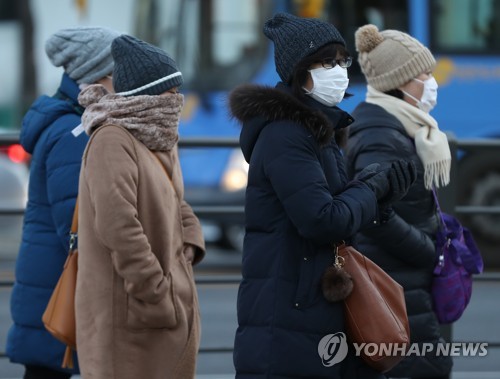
(391, 58)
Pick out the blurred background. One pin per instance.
(218, 44)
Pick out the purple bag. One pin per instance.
(458, 259)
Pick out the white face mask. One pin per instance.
(329, 85)
(429, 95)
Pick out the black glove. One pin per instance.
(389, 184)
(401, 175)
(376, 178)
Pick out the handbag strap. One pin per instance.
(73, 234)
(440, 212)
(74, 224)
(442, 242)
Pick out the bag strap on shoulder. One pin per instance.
(74, 224)
(440, 212)
(73, 234)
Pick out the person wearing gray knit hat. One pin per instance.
(393, 123)
(142, 69)
(51, 133)
(294, 38)
(84, 52)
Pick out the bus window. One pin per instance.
(349, 15)
(218, 44)
(466, 26)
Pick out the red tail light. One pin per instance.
(16, 153)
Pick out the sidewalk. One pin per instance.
(457, 375)
(478, 324)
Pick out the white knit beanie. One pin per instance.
(391, 58)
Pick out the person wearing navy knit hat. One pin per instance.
(295, 38)
(51, 135)
(142, 69)
(136, 306)
(299, 203)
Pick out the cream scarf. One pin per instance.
(153, 120)
(431, 143)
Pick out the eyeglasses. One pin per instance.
(331, 62)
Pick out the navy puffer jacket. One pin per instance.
(53, 188)
(298, 203)
(404, 245)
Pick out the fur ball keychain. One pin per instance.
(336, 283)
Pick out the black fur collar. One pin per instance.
(249, 101)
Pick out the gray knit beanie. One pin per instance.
(142, 69)
(295, 38)
(391, 58)
(84, 52)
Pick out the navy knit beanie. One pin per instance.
(141, 68)
(295, 38)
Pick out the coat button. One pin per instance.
(375, 222)
(296, 305)
(305, 258)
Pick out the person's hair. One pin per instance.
(300, 72)
(396, 93)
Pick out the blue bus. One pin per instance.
(219, 44)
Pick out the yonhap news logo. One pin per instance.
(333, 349)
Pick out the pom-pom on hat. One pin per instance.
(295, 38)
(391, 58)
(83, 52)
(142, 69)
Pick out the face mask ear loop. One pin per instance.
(308, 92)
(411, 96)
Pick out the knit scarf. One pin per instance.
(153, 120)
(431, 144)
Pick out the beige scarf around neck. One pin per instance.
(430, 142)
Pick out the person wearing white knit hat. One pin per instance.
(392, 123)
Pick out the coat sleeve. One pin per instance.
(398, 238)
(111, 174)
(193, 234)
(294, 170)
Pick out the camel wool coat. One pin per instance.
(136, 305)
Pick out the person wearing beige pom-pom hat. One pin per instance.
(393, 123)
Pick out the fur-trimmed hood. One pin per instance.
(255, 106)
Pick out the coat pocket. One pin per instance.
(162, 315)
(306, 291)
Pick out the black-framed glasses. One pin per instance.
(331, 62)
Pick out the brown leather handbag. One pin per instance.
(375, 308)
(59, 316)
